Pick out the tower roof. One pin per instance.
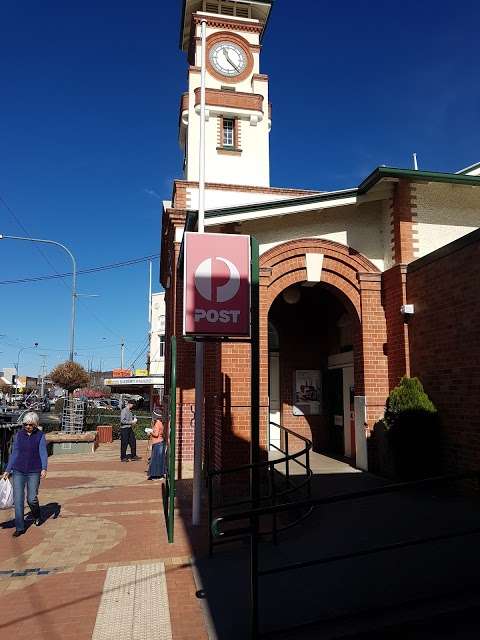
(259, 10)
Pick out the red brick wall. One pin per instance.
(403, 217)
(445, 343)
(370, 360)
(394, 296)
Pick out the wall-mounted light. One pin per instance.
(292, 295)
(407, 309)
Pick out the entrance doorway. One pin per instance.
(341, 400)
(311, 370)
(275, 415)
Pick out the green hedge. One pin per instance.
(94, 418)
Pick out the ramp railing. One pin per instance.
(280, 484)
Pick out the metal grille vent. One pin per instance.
(243, 11)
(227, 9)
(211, 7)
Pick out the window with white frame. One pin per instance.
(161, 347)
(228, 135)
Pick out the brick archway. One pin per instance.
(341, 265)
(356, 281)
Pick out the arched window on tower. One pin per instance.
(345, 333)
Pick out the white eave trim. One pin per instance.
(280, 211)
(475, 165)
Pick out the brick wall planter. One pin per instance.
(59, 442)
(105, 433)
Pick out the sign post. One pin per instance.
(255, 428)
(221, 302)
(172, 429)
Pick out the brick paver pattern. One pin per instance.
(100, 566)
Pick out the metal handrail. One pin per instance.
(355, 495)
(274, 494)
(253, 515)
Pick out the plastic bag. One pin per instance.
(6, 494)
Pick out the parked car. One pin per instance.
(102, 404)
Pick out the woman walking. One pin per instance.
(156, 468)
(28, 462)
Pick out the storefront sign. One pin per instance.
(121, 373)
(117, 382)
(141, 372)
(216, 285)
(307, 393)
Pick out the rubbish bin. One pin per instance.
(105, 433)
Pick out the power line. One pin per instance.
(139, 356)
(105, 267)
(25, 230)
(144, 347)
(57, 275)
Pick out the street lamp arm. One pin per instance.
(74, 279)
(17, 364)
(59, 244)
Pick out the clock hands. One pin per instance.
(228, 59)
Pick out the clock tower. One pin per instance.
(237, 107)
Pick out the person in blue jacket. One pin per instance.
(28, 463)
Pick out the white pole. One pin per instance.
(201, 176)
(150, 296)
(415, 163)
(199, 349)
(149, 359)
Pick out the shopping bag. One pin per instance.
(6, 494)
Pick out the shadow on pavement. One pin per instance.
(49, 510)
(350, 595)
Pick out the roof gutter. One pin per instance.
(411, 174)
(364, 187)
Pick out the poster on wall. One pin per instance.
(307, 394)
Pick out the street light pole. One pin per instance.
(74, 281)
(35, 344)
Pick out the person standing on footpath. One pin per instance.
(127, 436)
(156, 468)
(28, 462)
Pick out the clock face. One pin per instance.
(228, 59)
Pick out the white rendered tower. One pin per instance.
(237, 107)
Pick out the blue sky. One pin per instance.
(88, 136)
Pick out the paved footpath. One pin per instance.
(100, 567)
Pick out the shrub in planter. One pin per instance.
(413, 430)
